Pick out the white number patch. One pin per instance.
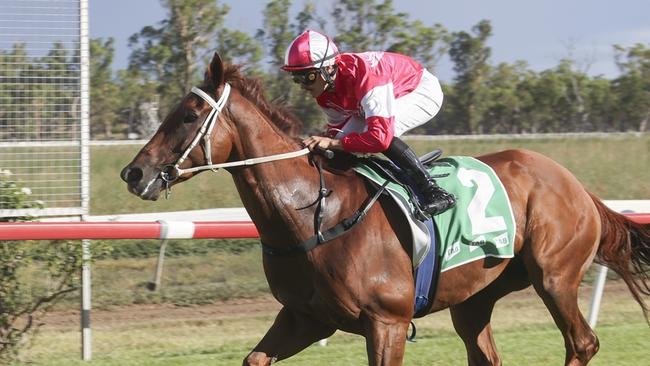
(477, 206)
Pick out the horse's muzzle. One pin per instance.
(141, 184)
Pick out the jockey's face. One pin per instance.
(312, 81)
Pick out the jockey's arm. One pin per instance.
(377, 104)
(375, 140)
(322, 142)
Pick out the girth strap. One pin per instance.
(330, 234)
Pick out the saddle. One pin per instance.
(392, 172)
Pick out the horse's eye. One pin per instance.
(190, 117)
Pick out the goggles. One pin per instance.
(305, 77)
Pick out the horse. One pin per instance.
(362, 282)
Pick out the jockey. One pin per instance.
(370, 99)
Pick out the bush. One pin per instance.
(22, 302)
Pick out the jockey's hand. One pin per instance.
(322, 143)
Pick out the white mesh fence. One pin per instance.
(43, 107)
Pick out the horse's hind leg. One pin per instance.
(556, 278)
(290, 333)
(561, 299)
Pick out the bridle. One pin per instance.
(172, 172)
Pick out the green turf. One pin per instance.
(524, 333)
(613, 168)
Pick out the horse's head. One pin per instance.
(194, 133)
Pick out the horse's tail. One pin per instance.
(625, 248)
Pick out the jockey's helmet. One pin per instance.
(310, 50)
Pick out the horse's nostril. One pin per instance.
(132, 175)
(124, 173)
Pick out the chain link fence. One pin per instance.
(43, 107)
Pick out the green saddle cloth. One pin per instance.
(481, 224)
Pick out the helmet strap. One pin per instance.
(328, 77)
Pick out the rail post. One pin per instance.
(596, 298)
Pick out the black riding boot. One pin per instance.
(435, 199)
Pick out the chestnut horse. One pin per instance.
(362, 282)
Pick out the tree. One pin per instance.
(470, 55)
(545, 113)
(11, 92)
(566, 100)
(237, 47)
(276, 35)
(425, 44)
(633, 87)
(602, 105)
(506, 99)
(575, 102)
(276, 32)
(42, 92)
(306, 18)
(168, 58)
(172, 53)
(138, 102)
(104, 92)
(367, 25)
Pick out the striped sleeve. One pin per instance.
(377, 105)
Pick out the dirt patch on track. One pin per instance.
(263, 306)
(133, 314)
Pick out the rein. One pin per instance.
(252, 161)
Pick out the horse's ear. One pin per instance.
(214, 73)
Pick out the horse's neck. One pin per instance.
(271, 192)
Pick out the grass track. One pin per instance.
(524, 333)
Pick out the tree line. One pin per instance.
(167, 58)
(40, 97)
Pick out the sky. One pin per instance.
(540, 32)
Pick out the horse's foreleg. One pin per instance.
(385, 341)
(472, 317)
(471, 320)
(290, 333)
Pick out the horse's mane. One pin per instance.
(252, 90)
(281, 115)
